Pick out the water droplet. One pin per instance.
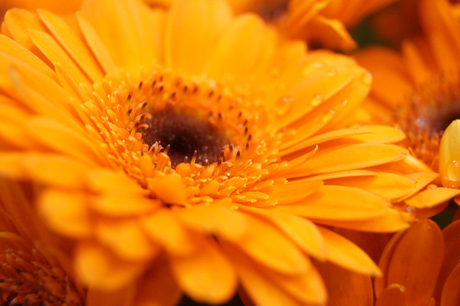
(328, 116)
(283, 104)
(367, 78)
(453, 172)
(332, 73)
(317, 99)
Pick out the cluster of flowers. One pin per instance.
(229, 151)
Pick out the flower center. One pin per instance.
(185, 136)
(432, 108)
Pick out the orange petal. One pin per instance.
(389, 222)
(345, 287)
(449, 154)
(124, 205)
(121, 297)
(169, 189)
(338, 203)
(126, 238)
(99, 269)
(300, 230)
(206, 275)
(97, 46)
(219, 220)
(260, 288)
(191, 32)
(66, 212)
(293, 191)
(451, 255)
(164, 227)
(158, 286)
(393, 295)
(55, 54)
(132, 27)
(344, 253)
(239, 48)
(64, 139)
(432, 197)
(72, 44)
(108, 181)
(348, 158)
(388, 185)
(265, 244)
(416, 261)
(19, 22)
(450, 293)
(380, 134)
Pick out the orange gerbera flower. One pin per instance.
(421, 267)
(188, 150)
(30, 274)
(422, 81)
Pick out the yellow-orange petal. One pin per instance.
(393, 295)
(449, 156)
(191, 32)
(19, 22)
(206, 275)
(389, 222)
(100, 269)
(103, 180)
(388, 185)
(72, 44)
(432, 197)
(215, 219)
(126, 238)
(300, 230)
(349, 158)
(293, 191)
(259, 287)
(346, 254)
(338, 203)
(169, 189)
(66, 212)
(264, 243)
(123, 205)
(416, 261)
(166, 229)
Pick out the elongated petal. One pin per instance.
(345, 287)
(416, 261)
(338, 203)
(192, 29)
(349, 158)
(431, 197)
(218, 220)
(165, 228)
(450, 293)
(207, 275)
(72, 44)
(66, 213)
(98, 268)
(394, 295)
(344, 253)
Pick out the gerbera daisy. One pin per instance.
(421, 267)
(30, 274)
(421, 82)
(188, 150)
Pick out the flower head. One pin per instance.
(189, 150)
